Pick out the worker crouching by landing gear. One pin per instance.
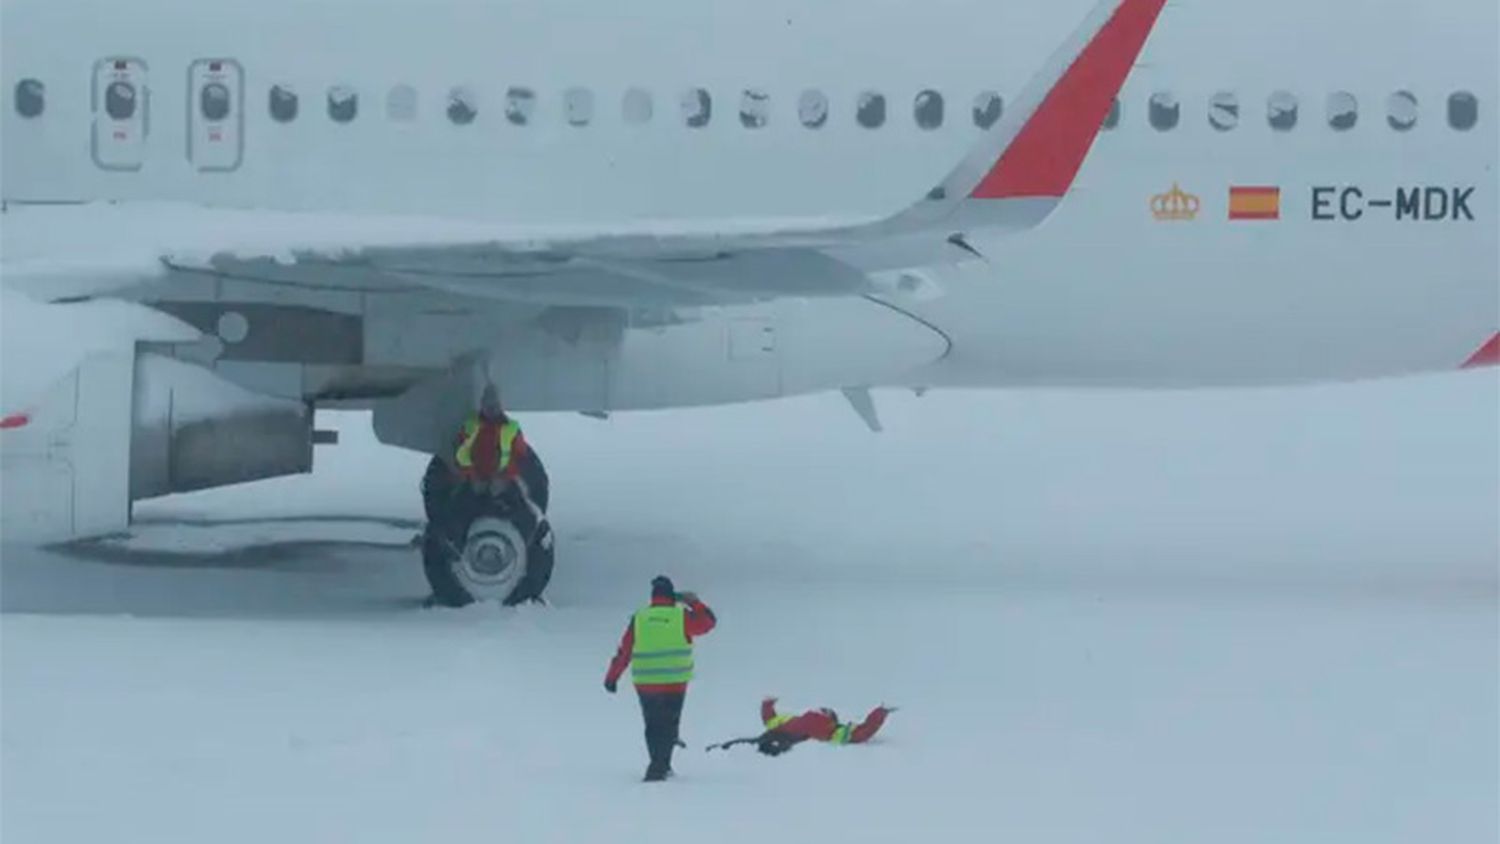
(487, 536)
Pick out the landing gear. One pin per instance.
(482, 547)
(495, 562)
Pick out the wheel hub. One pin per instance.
(493, 561)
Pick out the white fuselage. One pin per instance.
(577, 113)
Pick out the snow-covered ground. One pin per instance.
(1179, 617)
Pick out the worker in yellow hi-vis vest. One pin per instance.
(783, 732)
(658, 648)
(489, 447)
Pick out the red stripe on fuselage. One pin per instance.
(18, 420)
(1046, 155)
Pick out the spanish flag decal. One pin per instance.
(1254, 203)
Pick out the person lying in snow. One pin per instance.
(783, 732)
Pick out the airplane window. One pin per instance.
(1401, 110)
(1281, 111)
(869, 110)
(119, 100)
(928, 109)
(637, 106)
(343, 103)
(812, 109)
(401, 104)
(1463, 111)
(1165, 111)
(697, 107)
(755, 108)
(1343, 111)
(282, 103)
(988, 107)
(31, 98)
(520, 104)
(1224, 111)
(1112, 118)
(213, 101)
(463, 106)
(578, 106)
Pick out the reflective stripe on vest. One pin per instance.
(662, 655)
(777, 721)
(506, 440)
(841, 734)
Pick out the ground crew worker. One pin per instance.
(490, 446)
(783, 732)
(658, 648)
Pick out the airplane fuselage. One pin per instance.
(1291, 191)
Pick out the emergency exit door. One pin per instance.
(216, 115)
(122, 113)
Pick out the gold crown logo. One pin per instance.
(1175, 204)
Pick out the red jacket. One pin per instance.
(485, 451)
(697, 620)
(819, 724)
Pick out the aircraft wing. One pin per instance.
(1010, 181)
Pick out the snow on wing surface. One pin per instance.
(1012, 179)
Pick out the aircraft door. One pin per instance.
(216, 115)
(122, 113)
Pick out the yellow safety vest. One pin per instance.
(662, 654)
(507, 440)
(841, 733)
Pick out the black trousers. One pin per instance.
(662, 712)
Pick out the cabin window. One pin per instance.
(988, 106)
(755, 108)
(401, 104)
(520, 105)
(1463, 111)
(1343, 111)
(1281, 111)
(343, 103)
(31, 98)
(1165, 111)
(213, 101)
(1112, 119)
(928, 110)
(637, 107)
(1224, 111)
(869, 109)
(812, 109)
(1401, 110)
(463, 106)
(578, 106)
(282, 103)
(697, 108)
(120, 100)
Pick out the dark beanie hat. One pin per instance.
(661, 587)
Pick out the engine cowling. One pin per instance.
(124, 426)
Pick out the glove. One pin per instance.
(610, 686)
(688, 597)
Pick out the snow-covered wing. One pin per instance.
(1014, 176)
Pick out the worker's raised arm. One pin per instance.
(767, 710)
(867, 729)
(697, 618)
